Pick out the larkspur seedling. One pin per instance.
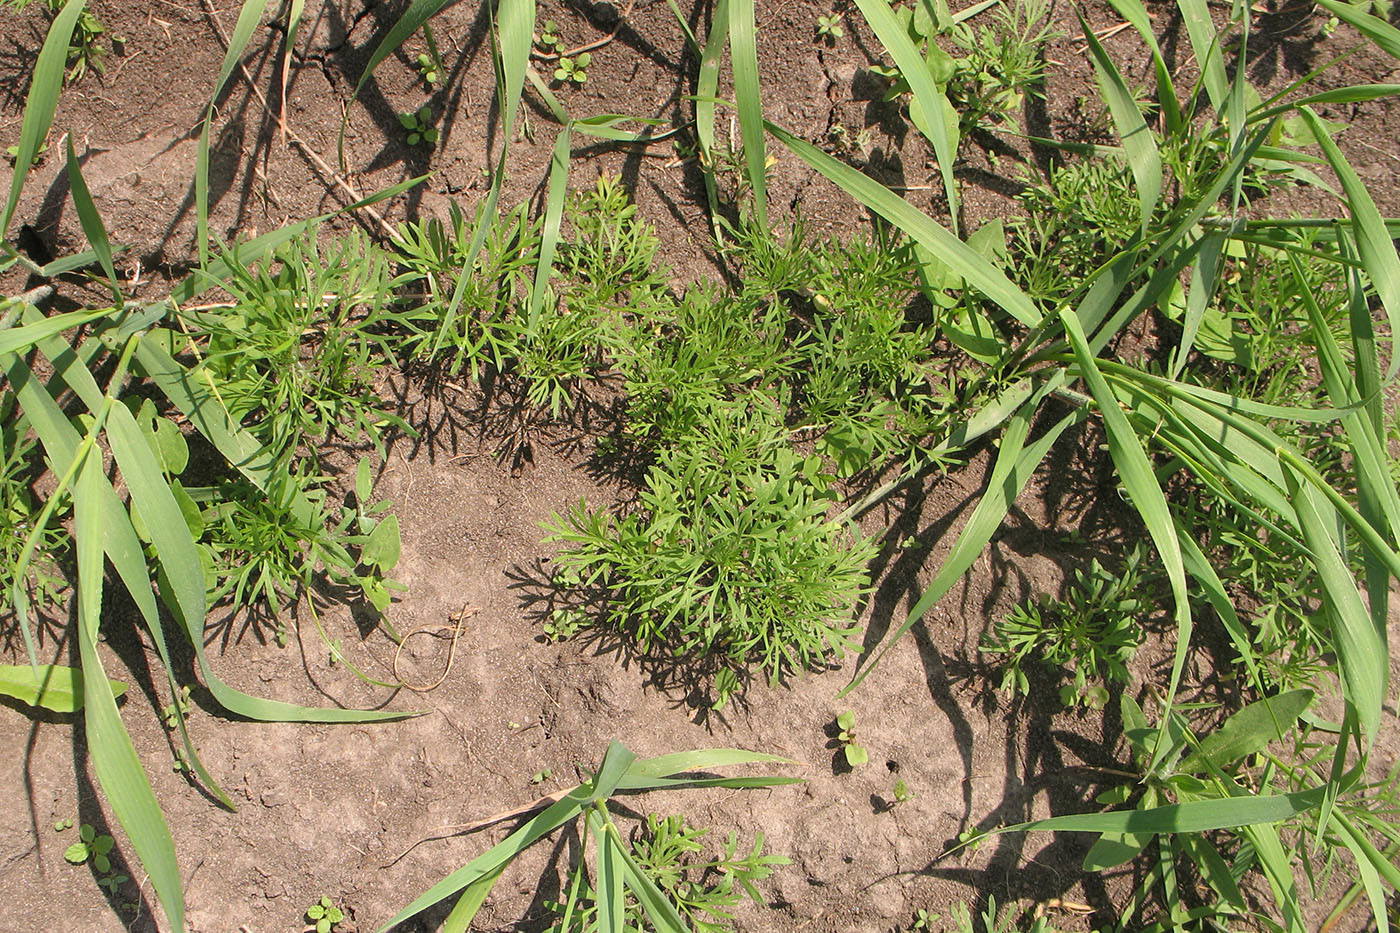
(856, 755)
(324, 914)
(573, 70)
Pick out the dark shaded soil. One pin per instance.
(333, 810)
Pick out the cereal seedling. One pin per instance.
(324, 914)
(846, 736)
(572, 70)
(419, 126)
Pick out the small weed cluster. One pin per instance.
(1093, 629)
(671, 853)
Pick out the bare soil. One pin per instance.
(353, 812)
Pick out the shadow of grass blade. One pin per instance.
(930, 100)
(91, 221)
(114, 760)
(45, 84)
(743, 55)
(414, 16)
(249, 16)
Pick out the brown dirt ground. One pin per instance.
(330, 810)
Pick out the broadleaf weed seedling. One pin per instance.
(828, 28)
(418, 127)
(573, 70)
(324, 915)
(855, 754)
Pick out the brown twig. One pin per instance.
(461, 829)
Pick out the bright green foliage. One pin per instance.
(573, 70)
(729, 559)
(829, 28)
(19, 509)
(83, 50)
(178, 710)
(91, 846)
(418, 125)
(548, 38)
(1093, 629)
(298, 351)
(672, 854)
(324, 915)
(427, 70)
(855, 754)
(999, 62)
(52, 686)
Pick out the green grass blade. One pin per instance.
(706, 93)
(743, 55)
(467, 906)
(1196, 816)
(294, 10)
(928, 98)
(1138, 478)
(1136, 14)
(1373, 241)
(51, 686)
(700, 760)
(1370, 881)
(45, 84)
(1138, 142)
(1205, 44)
(608, 884)
(1016, 462)
(1384, 35)
(491, 861)
(249, 16)
(1363, 655)
(658, 908)
(947, 248)
(114, 760)
(91, 221)
(414, 16)
(556, 192)
(20, 339)
(1203, 284)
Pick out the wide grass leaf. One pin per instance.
(743, 54)
(54, 686)
(45, 84)
(114, 760)
(1195, 816)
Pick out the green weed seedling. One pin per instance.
(90, 846)
(539, 777)
(548, 40)
(324, 914)
(12, 153)
(180, 709)
(829, 28)
(418, 127)
(902, 793)
(1093, 630)
(428, 69)
(83, 51)
(573, 70)
(855, 754)
(60, 825)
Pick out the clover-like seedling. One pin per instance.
(324, 914)
(573, 70)
(90, 846)
(548, 40)
(419, 126)
(427, 69)
(855, 754)
(829, 28)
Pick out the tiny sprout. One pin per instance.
(418, 126)
(846, 737)
(60, 825)
(829, 28)
(90, 846)
(573, 70)
(324, 914)
(427, 69)
(901, 791)
(539, 777)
